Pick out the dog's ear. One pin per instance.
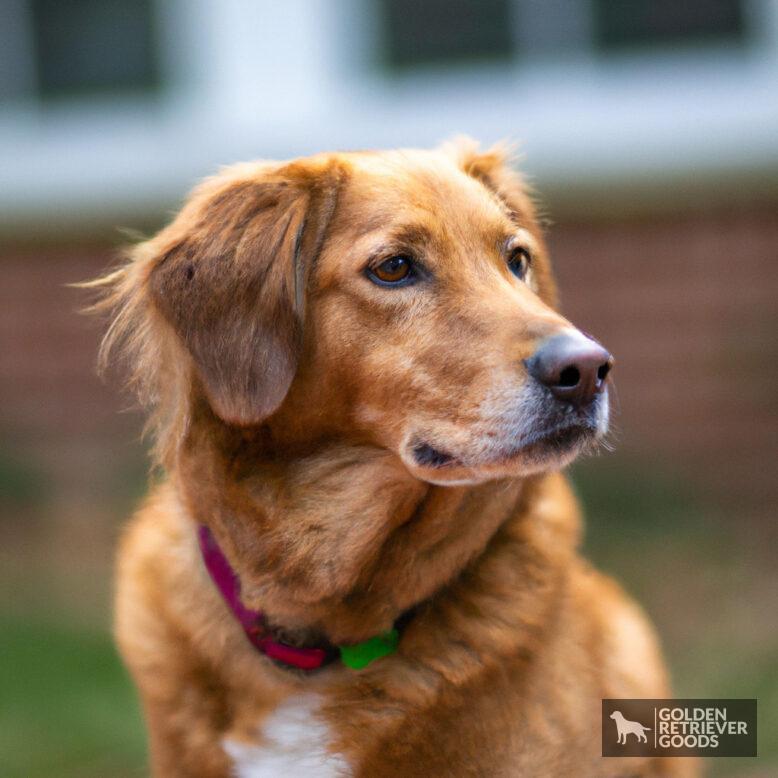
(493, 168)
(231, 274)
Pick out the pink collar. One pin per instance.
(252, 621)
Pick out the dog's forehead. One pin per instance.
(387, 188)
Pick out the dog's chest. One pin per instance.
(292, 740)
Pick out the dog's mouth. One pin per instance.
(556, 443)
(544, 446)
(426, 455)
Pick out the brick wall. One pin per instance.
(688, 307)
(686, 304)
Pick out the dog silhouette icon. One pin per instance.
(626, 727)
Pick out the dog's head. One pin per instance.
(402, 299)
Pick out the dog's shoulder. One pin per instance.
(628, 649)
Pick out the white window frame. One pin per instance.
(235, 91)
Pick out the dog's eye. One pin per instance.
(393, 271)
(519, 262)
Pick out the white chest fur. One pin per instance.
(294, 742)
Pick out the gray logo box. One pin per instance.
(682, 727)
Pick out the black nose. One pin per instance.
(572, 366)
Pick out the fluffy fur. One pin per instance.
(358, 451)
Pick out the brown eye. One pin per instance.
(392, 271)
(519, 262)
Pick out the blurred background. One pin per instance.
(650, 130)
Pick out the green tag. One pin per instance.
(362, 654)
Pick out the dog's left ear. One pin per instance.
(230, 275)
(493, 168)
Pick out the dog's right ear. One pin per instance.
(493, 168)
(230, 273)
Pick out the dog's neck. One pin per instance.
(339, 540)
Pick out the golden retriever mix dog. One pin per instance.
(361, 560)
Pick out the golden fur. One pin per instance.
(288, 397)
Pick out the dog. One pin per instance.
(361, 558)
(626, 727)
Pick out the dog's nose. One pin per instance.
(572, 366)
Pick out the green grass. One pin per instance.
(67, 708)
